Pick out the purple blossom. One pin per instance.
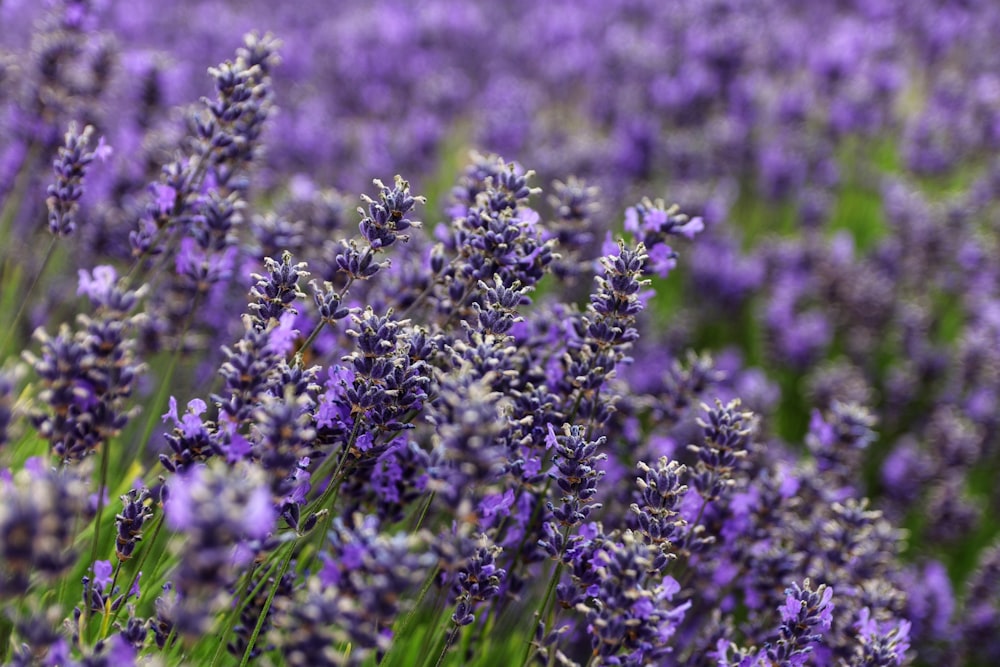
(97, 285)
(102, 573)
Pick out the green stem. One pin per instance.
(106, 623)
(312, 336)
(433, 649)
(334, 487)
(6, 630)
(543, 609)
(423, 512)
(540, 614)
(322, 323)
(14, 199)
(142, 559)
(404, 624)
(447, 645)
(234, 614)
(12, 327)
(267, 604)
(101, 487)
(157, 406)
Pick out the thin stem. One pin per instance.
(423, 512)
(322, 323)
(428, 582)
(14, 199)
(541, 612)
(142, 559)
(106, 622)
(12, 327)
(161, 394)
(234, 614)
(543, 609)
(447, 645)
(334, 487)
(267, 605)
(6, 630)
(694, 524)
(312, 336)
(102, 486)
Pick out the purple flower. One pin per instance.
(70, 169)
(164, 197)
(497, 504)
(103, 150)
(260, 514)
(283, 335)
(97, 285)
(809, 608)
(102, 573)
(663, 260)
(120, 652)
(223, 512)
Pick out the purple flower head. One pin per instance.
(70, 169)
(727, 434)
(355, 597)
(385, 219)
(102, 573)
(231, 503)
(662, 259)
(283, 335)
(576, 474)
(497, 504)
(190, 424)
(884, 644)
(630, 617)
(120, 652)
(37, 513)
(224, 512)
(164, 197)
(651, 221)
(103, 150)
(658, 499)
(810, 608)
(59, 654)
(806, 615)
(97, 285)
(275, 293)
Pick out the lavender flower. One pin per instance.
(658, 498)
(274, 294)
(385, 219)
(70, 168)
(576, 478)
(88, 374)
(478, 581)
(630, 619)
(354, 598)
(37, 518)
(805, 616)
(652, 222)
(727, 433)
(222, 511)
(136, 510)
(8, 383)
(882, 644)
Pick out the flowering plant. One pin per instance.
(246, 418)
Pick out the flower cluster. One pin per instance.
(265, 421)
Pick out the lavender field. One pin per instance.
(441, 332)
